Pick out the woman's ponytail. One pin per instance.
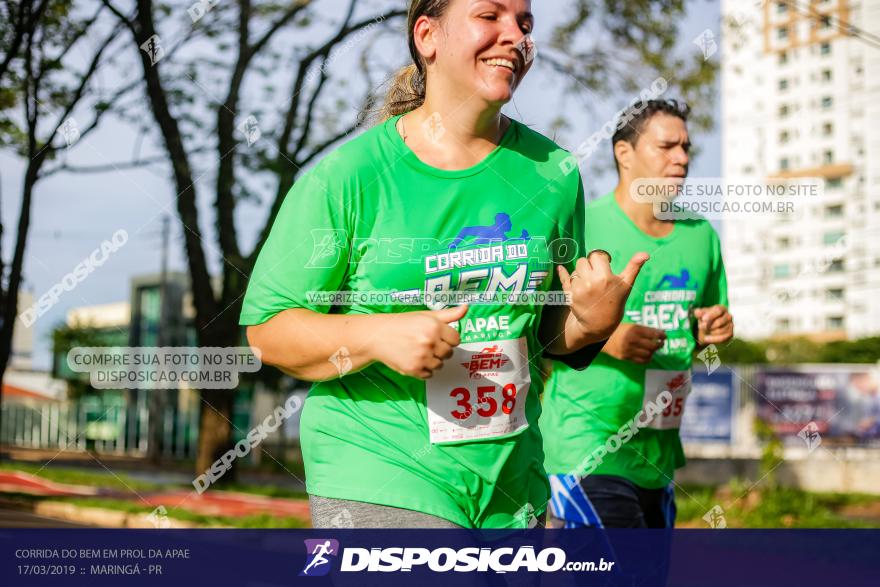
(405, 93)
(406, 90)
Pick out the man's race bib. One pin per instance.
(480, 392)
(667, 409)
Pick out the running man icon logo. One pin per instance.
(153, 47)
(715, 517)
(706, 42)
(674, 281)
(318, 553)
(710, 358)
(433, 127)
(491, 234)
(811, 437)
(341, 359)
(327, 246)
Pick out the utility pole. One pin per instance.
(157, 396)
(163, 282)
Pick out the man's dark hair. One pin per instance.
(636, 120)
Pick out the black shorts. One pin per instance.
(608, 501)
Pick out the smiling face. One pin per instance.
(476, 48)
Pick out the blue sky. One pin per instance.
(72, 214)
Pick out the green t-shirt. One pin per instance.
(372, 217)
(584, 409)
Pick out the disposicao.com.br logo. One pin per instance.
(441, 560)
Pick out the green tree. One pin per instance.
(51, 53)
(743, 352)
(799, 349)
(863, 350)
(65, 337)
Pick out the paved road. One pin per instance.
(19, 519)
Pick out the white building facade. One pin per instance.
(801, 98)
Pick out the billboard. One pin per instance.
(708, 415)
(840, 403)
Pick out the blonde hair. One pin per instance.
(406, 90)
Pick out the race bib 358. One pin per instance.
(480, 392)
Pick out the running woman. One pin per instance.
(428, 418)
(611, 459)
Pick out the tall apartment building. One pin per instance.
(801, 98)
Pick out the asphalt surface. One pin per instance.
(20, 519)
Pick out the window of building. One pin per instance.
(836, 266)
(780, 271)
(782, 33)
(781, 8)
(828, 157)
(832, 237)
(783, 164)
(783, 324)
(783, 242)
(834, 183)
(834, 322)
(784, 136)
(827, 129)
(835, 211)
(827, 102)
(834, 294)
(825, 23)
(783, 58)
(826, 75)
(783, 84)
(825, 49)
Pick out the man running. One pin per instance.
(612, 431)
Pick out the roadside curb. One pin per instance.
(109, 518)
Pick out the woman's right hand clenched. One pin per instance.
(417, 343)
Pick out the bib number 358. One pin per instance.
(485, 399)
(480, 392)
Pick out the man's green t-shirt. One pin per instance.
(584, 410)
(371, 218)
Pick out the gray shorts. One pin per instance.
(341, 513)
